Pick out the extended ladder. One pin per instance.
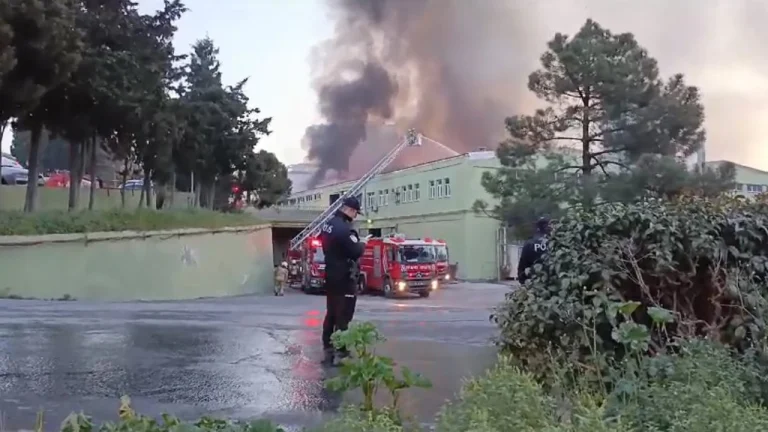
(412, 139)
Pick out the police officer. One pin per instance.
(342, 247)
(533, 250)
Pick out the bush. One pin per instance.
(701, 388)
(637, 276)
(63, 222)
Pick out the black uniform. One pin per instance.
(533, 250)
(342, 248)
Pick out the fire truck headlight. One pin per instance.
(433, 285)
(447, 277)
(401, 286)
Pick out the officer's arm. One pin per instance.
(351, 248)
(525, 261)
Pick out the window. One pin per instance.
(370, 200)
(432, 190)
(409, 194)
(440, 190)
(381, 198)
(754, 188)
(739, 186)
(318, 196)
(386, 196)
(447, 184)
(416, 192)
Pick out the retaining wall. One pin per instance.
(161, 265)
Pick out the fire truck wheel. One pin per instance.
(424, 294)
(389, 292)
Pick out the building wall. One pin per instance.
(168, 265)
(750, 181)
(431, 200)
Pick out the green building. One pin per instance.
(435, 200)
(428, 200)
(750, 182)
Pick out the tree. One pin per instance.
(47, 44)
(54, 151)
(265, 177)
(608, 110)
(221, 129)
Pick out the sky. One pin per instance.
(270, 41)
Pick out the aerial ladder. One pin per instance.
(412, 139)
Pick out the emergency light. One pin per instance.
(316, 242)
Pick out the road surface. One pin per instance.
(244, 357)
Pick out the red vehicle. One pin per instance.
(312, 266)
(293, 258)
(397, 265)
(441, 260)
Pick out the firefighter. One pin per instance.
(533, 250)
(342, 247)
(281, 277)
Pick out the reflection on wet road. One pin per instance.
(241, 357)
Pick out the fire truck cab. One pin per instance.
(441, 261)
(396, 264)
(312, 266)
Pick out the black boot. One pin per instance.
(328, 356)
(340, 356)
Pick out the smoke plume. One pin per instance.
(454, 69)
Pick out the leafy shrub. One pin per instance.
(63, 222)
(353, 419)
(686, 267)
(134, 422)
(701, 388)
(368, 371)
(507, 399)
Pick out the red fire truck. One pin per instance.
(441, 260)
(396, 264)
(312, 266)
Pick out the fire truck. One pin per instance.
(312, 265)
(396, 264)
(441, 261)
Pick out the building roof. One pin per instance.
(718, 162)
(477, 155)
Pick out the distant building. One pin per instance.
(750, 182)
(428, 200)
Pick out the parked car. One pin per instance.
(13, 173)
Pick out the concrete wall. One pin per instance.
(164, 265)
(12, 198)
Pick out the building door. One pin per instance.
(376, 232)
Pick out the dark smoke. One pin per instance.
(454, 69)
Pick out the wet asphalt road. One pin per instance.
(244, 357)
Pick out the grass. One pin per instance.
(63, 222)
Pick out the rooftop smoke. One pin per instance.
(454, 69)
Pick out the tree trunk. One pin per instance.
(92, 169)
(198, 194)
(73, 158)
(212, 195)
(173, 188)
(3, 125)
(148, 187)
(122, 185)
(32, 163)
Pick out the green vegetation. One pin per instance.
(614, 131)
(63, 222)
(113, 84)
